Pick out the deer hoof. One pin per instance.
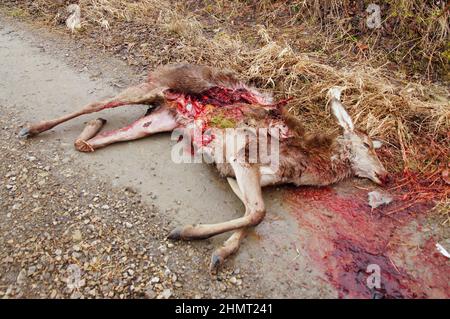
(83, 146)
(216, 262)
(176, 234)
(187, 232)
(24, 133)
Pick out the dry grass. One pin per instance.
(413, 32)
(386, 103)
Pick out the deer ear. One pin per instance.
(344, 120)
(377, 144)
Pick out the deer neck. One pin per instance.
(327, 165)
(340, 164)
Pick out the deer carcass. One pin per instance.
(188, 97)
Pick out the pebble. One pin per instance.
(21, 277)
(166, 294)
(128, 225)
(31, 270)
(154, 280)
(76, 295)
(77, 236)
(150, 294)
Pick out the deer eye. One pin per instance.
(366, 144)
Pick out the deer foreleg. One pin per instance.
(140, 94)
(248, 179)
(161, 120)
(232, 244)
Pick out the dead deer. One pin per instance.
(180, 95)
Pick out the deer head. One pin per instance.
(359, 146)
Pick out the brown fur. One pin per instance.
(191, 79)
(293, 123)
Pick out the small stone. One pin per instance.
(162, 249)
(76, 295)
(165, 294)
(128, 225)
(105, 207)
(233, 280)
(77, 236)
(31, 270)
(150, 294)
(21, 277)
(53, 294)
(154, 280)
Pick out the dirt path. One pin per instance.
(44, 76)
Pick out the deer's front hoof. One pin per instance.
(176, 234)
(25, 133)
(216, 261)
(188, 232)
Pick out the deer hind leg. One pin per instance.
(91, 129)
(248, 179)
(161, 120)
(143, 93)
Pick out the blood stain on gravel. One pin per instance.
(343, 236)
